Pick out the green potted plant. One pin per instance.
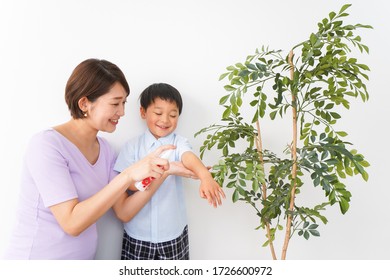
(311, 85)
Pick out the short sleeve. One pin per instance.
(49, 169)
(126, 157)
(182, 146)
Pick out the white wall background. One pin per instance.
(189, 44)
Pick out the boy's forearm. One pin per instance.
(193, 163)
(209, 189)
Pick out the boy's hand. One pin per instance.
(210, 190)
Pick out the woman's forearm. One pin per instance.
(75, 216)
(128, 206)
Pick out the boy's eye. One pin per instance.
(158, 114)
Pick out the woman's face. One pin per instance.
(105, 112)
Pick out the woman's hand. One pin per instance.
(149, 166)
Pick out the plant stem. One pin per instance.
(259, 146)
(294, 158)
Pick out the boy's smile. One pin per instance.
(161, 117)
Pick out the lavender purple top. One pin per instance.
(55, 171)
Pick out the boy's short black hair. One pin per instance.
(162, 91)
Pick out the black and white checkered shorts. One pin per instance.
(176, 249)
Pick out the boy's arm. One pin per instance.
(209, 188)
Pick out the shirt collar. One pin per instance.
(152, 143)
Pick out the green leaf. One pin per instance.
(273, 115)
(343, 8)
(223, 99)
(314, 232)
(251, 66)
(349, 171)
(329, 106)
(364, 26)
(313, 38)
(239, 101)
(229, 88)
(341, 133)
(341, 173)
(359, 168)
(365, 176)
(240, 65)
(235, 196)
(313, 226)
(344, 205)
(255, 116)
(244, 73)
(317, 181)
(226, 113)
(225, 151)
(363, 66)
(265, 244)
(223, 76)
(231, 68)
(235, 109)
(335, 115)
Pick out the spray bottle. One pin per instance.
(144, 184)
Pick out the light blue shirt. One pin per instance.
(164, 217)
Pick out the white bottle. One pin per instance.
(144, 184)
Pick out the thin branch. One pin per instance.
(294, 158)
(259, 146)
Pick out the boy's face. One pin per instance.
(161, 117)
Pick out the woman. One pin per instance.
(68, 181)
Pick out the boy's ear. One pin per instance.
(142, 112)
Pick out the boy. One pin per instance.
(159, 230)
